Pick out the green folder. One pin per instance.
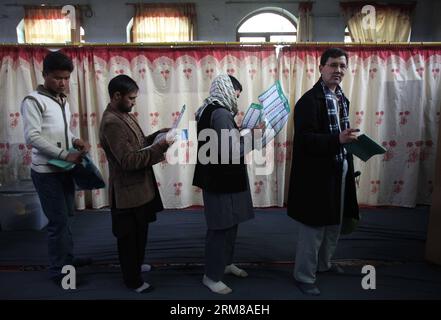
(65, 165)
(364, 148)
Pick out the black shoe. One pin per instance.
(334, 269)
(308, 288)
(81, 262)
(57, 279)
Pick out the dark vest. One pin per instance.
(221, 178)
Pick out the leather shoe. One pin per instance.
(309, 289)
(57, 279)
(334, 269)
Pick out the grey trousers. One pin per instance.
(316, 245)
(219, 250)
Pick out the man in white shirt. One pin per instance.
(46, 118)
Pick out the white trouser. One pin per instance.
(316, 245)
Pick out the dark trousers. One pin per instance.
(219, 251)
(130, 227)
(57, 197)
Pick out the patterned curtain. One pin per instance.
(394, 94)
(393, 22)
(168, 78)
(164, 22)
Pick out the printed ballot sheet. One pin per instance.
(178, 120)
(174, 126)
(253, 116)
(275, 111)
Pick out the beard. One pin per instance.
(124, 108)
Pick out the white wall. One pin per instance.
(110, 19)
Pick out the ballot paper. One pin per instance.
(85, 174)
(275, 111)
(65, 165)
(158, 137)
(252, 116)
(178, 120)
(172, 130)
(173, 134)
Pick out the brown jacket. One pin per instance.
(131, 178)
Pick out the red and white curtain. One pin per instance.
(394, 94)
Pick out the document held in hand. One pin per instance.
(364, 147)
(85, 174)
(65, 165)
(174, 126)
(253, 116)
(178, 120)
(275, 111)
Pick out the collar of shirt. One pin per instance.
(43, 90)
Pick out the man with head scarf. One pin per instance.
(224, 184)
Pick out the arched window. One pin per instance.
(267, 25)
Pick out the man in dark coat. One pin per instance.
(133, 193)
(322, 186)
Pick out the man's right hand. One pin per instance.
(171, 136)
(348, 136)
(75, 157)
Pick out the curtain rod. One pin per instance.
(161, 3)
(235, 2)
(212, 43)
(264, 2)
(41, 5)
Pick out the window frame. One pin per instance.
(267, 35)
(76, 35)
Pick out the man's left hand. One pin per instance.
(81, 145)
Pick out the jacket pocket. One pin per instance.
(135, 177)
